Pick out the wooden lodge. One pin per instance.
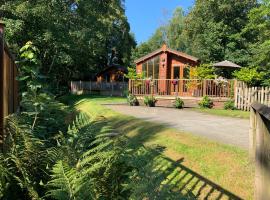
(112, 73)
(9, 100)
(166, 63)
(167, 73)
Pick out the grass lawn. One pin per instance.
(192, 165)
(225, 113)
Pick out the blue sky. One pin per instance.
(145, 16)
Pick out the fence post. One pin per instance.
(252, 134)
(112, 88)
(129, 85)
(1, 81)
(204, 87)
(235, 93)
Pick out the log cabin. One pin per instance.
(166, 63)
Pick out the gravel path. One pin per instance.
(225, 130)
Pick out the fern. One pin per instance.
(67, 183)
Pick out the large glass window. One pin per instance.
(144, 69)
(186, 74)
(150, 68)
(156, 67)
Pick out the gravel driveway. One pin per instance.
(225, 130)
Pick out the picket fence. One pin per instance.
(245, 96)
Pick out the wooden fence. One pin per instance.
(260, 149)
(182, 87)
(245, 96)
(8, 84)
(102, 88)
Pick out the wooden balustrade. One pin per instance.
(181, 87)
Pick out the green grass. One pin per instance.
(187, 161)
(225, 113)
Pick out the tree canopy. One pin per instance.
(219, 30)
(75, 38)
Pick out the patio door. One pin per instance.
(182, 73)
(176, 74)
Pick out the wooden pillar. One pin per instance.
(1, 81)
(261, 149)
(252, 134)
(204, 87)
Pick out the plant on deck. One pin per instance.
(132, 100)
(150, 101)
(206, 102)
(179, 103)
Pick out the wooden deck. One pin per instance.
(184, 88)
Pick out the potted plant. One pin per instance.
(150, 101)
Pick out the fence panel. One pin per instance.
(260, 149)
(103, 88)
(245, 96)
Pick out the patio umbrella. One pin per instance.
(226, 64)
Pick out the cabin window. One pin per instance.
(176, 72)
(150, 68)
(144, 69)
(186, 74)
(156, 67)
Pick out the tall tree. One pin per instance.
(213, 29)
(74, 37)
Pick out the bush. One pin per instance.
(179, 103)
(229, 105)
(206, 102)
(250, 76)
(150, 101)
(132, 100)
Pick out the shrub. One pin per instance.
(206, 102)
(250, 76)
(132, 100)
(150, 101)
(229, 105)
(179, 103)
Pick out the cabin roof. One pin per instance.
(112, 67)
(164, 48)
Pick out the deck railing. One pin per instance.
(182, 87)
(103, 88)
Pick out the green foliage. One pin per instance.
(75, 38)
(132, 100)
(206, 102)
(213, 30)
(257, 31)
(204, 71)
(150, 101)
(250, 76)
(132, 74)
(179, 103)
(229, 105)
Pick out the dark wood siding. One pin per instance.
(8, 84)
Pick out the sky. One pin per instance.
(145, 16)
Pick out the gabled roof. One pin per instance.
(112, 67)
(164, 48)
(226, 63)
